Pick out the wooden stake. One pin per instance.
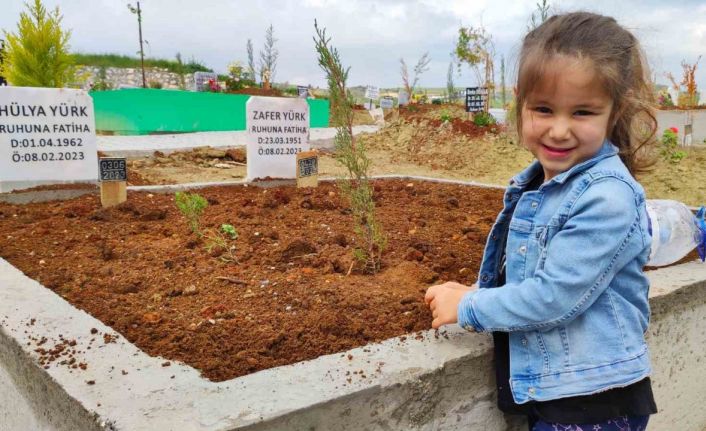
(113, 193)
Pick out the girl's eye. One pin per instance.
(583, 112)
(542, 110)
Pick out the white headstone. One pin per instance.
(403, 98)
(201, 80)
(378, 116)
(387, 103)
(46, 135)
(278, 129)
(372, 92)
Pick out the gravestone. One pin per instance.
(476, 98)
(201, 80)
(372, 92)
(387, 103)
(47, 135)
(278, 130)
(303, 91)
(403, 98)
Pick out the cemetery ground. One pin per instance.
(289, 290)
(419, 142)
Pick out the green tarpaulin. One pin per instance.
(139, 111)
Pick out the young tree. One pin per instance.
(539, 15)
(38, 54)
(474, 46)
(450, 82)
(689, 81)
(351, 155)
(268, 57)
(421, 67)
(251, 61)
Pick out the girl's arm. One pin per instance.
(601, 235)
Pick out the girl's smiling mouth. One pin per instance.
(556, 152)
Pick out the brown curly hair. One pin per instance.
(620, 65)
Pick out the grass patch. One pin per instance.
(124, 61)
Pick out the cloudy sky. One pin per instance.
(371, 36)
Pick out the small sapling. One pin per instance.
(191, 206)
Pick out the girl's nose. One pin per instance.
(560, 130)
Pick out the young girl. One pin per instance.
(561, 285)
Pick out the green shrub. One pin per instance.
(38, 54)
(217, 240)
(191, 206)
(445, 116)
(483, 119)
(436, 102)
(154, 84)
(669, 146)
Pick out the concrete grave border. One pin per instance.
(431, 381)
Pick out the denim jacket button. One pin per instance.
(523, 249)
(531, 391)
(534, 204)
(524, 341)
(484, 277)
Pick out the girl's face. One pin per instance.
(565, 119)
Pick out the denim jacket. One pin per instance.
(575, 299)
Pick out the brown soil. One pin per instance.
(139, 269)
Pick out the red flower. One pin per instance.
(674, 129)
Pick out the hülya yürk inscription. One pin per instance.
(46, 134)
(278, 129)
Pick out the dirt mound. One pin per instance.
(294, 293)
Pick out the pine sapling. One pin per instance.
(191, 206)
(351, 154)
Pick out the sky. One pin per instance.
(371, 36)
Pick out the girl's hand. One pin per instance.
(443, 301)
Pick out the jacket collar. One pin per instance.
(523, 178)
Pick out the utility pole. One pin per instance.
(138, 11)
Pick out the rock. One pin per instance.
(156, 214)
(414, 254)
(340, 239)
(296, 248)
(190, 291)
(408, 300)
(151, 317)
(452, 202)
(236, 155)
